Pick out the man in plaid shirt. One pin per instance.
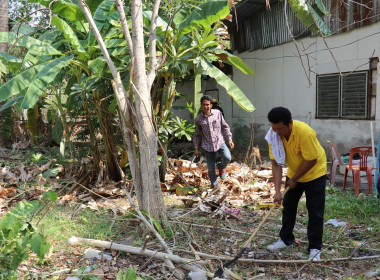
(210, 130)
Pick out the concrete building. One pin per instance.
(329, 83)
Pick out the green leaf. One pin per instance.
(10, 59)
(20, 253)
(160, 22)
(153, 220)
(72, 12)
(11, 102)
(25, 29)
(101, 19)
(207, 13)
(39, 246)
(50, 36)
(19, 82)
(311, 15)
(69, 34)
(238, 63)
(93, 5)
(28, 42)
(42, 80)
(50, 195)
(51, 172)
(102, 13)
(231, 88)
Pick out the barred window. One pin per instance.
(343, 96)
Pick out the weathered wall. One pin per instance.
(281, 81)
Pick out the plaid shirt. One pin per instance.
(209, 130)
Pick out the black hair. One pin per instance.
(280, 114)
(206, 97)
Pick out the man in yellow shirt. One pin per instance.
(306, 161)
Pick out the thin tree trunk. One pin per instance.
(3, 48)
(150, 196)
(108, 136)
(94, 144)
(149, 192)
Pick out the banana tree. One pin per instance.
(195, 38)
(71, 48)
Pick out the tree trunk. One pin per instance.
(108, 136)
(3, 48)
(145, 179)
(94, 145)
(150, 196)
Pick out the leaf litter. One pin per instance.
(210, 224)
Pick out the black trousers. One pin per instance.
(315, 203)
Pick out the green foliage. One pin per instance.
(18, 236)
(204, 15)
(229, 85)
(341, 205)
(174, 128)
(151, 219)
(311, 14)
(130, 274)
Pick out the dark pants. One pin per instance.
(211, 161)
(315, 203)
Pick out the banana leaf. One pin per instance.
(311, 15)
(50, 36)
(11, 102)
(69, 35)
(93, 5)
(13, 63)
(231, 88)
(72, 12)
(101, 18)
(208, 13)
(42, 80)
(29, 43)
(238, 63)
(19, 82)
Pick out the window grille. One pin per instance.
(343, 96)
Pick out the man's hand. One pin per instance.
(196, 153)
(232, 145)
(291, 183)
(278, 197)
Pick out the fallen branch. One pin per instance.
(265, 235)
(208, 256)
(167, 260)
(139, 251)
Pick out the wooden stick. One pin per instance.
(208, 256)
(139, 251)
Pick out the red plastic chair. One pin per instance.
(364, 152)
(336, 161)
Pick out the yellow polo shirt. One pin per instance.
(303, 145)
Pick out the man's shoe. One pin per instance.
(315, 255)
(222, 173)
(277, 246)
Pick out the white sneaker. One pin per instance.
(315, 255)
(277, 246)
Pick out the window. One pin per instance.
(343, 96)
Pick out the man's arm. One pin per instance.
(226, 132)
(305, 166)
(277, 177)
